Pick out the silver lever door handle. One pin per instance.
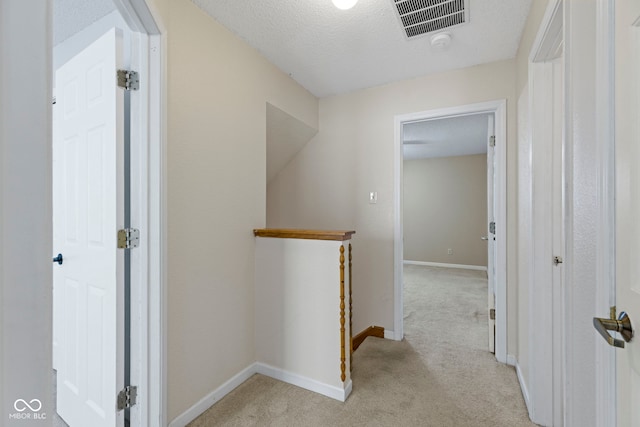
(485, 237)
(622, 325)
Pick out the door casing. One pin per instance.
(148, 213)
(499, 108)
(605, 371)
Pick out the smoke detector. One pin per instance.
(344, 4)
(440, 41)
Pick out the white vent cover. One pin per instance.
(424, 16)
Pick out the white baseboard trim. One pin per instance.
(511, 360)
(391, 335)
(523, 387)
(260, 368)
(441, 264)
(206, 402)
(305, 382)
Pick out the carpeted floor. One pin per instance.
(440, 375)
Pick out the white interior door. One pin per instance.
(627, 131)
(557, 228)
(88, 191)
(491, 236)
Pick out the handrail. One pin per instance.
(290, 233)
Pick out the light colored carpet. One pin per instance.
(440, 375)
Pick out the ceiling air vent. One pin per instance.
(424, 16)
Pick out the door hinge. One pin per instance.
(128, 238)
(492, 227)
(492, 141)
(129, 80)
(492, 314)
(557, 260)
(127, 397)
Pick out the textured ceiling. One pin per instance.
(71, 16)
(455, 136)
(331, 51)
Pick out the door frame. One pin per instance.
(148, 213)
(499, 108)
(605, 372)
(491, 245)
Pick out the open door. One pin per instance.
(88, 194)
(491, 232)
(627, 137)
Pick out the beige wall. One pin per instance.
(445, 207)
(217, 92)
(328, 183)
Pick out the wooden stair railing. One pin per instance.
(371, 331)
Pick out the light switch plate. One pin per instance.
(373, 197)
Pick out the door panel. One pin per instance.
(88, 148)
(627, 133)
(558, 233)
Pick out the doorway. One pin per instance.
(147, 313)
(498, 110)
(447, 207)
